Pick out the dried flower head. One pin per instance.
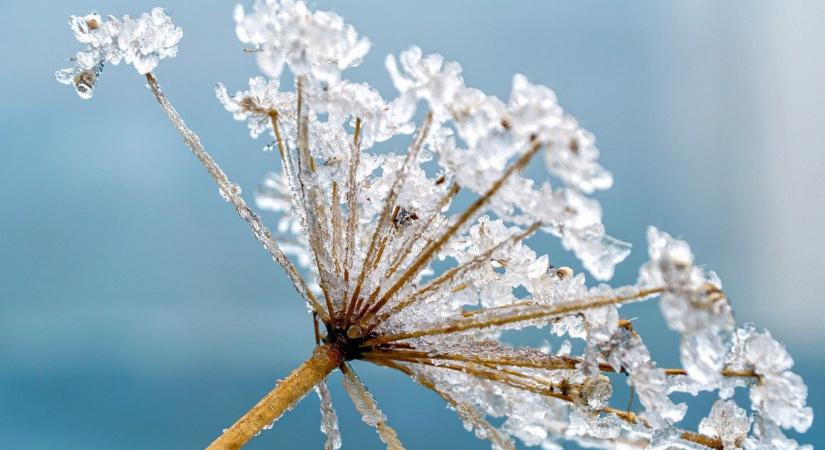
(366, 226)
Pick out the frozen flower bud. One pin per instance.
(727, 422)
(693, 300)
(146, 40)
(780, 395)
(142, 42)
(316, 43)
(257, 103)
(93, 30)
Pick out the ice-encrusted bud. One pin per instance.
(316, 43)
(692, 304)
(727, 422)
(780, 395)
(146, 40)
(257, 103)
(141, 41)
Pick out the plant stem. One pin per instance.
(287, 393)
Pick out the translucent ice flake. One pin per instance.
(587, 423)
(317, 43)
(780, 395)
(703, 355)
(425, 77)
(571, 154)
(474, 421)
(141, 41)
(781, 398)
(346, 101)
(768, 436)
(598, 252)
(693, 303)
(727, 422)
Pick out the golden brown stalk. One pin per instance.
(314, 201)
(273, 117)
(336, 226)
(498, 376)
(352, 209)
(537, 313)
(291, 389)
(551, 362)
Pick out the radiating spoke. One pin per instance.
(365, 404)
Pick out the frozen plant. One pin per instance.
(365, 227)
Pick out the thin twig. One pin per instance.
(531, 314)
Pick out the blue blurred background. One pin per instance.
(137, 312)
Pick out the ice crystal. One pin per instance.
(367, 226)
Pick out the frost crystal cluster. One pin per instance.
(141, 42)
(366, 226)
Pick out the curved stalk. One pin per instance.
(287, 393)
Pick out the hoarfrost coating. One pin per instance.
(366, 225)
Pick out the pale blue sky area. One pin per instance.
(136, 311)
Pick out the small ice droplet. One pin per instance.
(84, 91)
(269, 147)
(84, 82)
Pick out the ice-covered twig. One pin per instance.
(528, 314)
(329, 420)
(365, 404)
(232, 193)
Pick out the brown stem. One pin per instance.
(288, 392)
(550, 391)
(537, 313)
